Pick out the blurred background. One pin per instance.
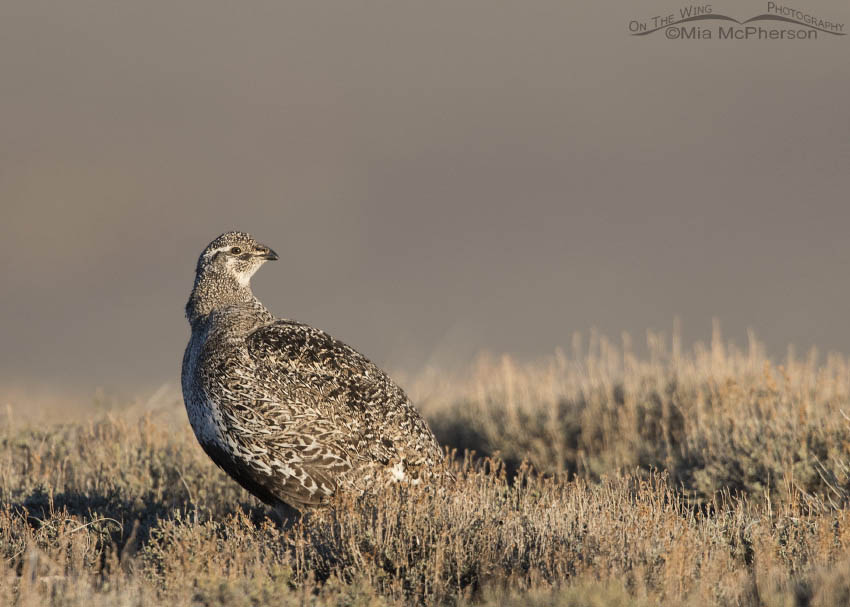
(439, 178)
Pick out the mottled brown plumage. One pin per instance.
(291, 413)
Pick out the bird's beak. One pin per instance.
(266, 253)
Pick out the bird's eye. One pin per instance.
(236, 250)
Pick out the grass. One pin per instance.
(708, 477)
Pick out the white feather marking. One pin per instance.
(398, 473)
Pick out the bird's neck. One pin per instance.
(212, 293)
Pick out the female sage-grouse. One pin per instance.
(292, 414)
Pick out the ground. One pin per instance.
(602, 477)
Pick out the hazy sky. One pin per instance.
(438, 177)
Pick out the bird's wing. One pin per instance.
(275, 440)
(372, 413)
(299, 409)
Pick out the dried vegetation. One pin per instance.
(711, 477)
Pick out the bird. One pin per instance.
(293, 415)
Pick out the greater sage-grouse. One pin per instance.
(292, 414)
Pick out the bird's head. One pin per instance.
(234, 255)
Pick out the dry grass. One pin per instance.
(699, 478)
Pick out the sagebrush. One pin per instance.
(603, 477)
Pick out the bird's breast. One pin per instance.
(204, 414)
(205, 418)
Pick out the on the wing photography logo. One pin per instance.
(701, 22)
